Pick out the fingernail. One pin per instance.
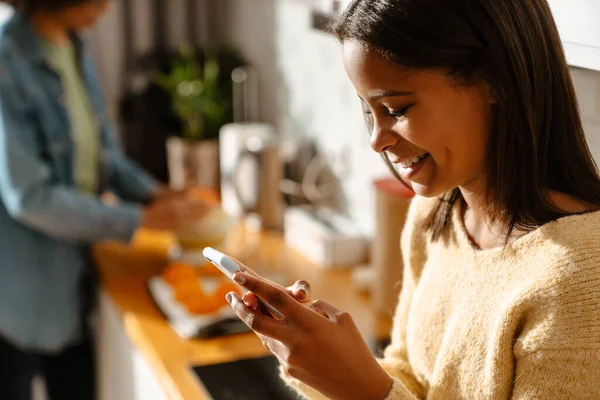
(302, 292)
(229, 298)
(239, 279)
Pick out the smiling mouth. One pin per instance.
(412, 161)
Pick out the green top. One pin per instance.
(86, 136)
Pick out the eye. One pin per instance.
(391, 113)
(398, 113)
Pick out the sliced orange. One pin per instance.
(185, 292)
(179, 272)
(210, 270)
(203, 305)
(193, 297)
(222, 291)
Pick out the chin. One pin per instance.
(423, 190)
(427, 190)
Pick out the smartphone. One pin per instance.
(229, 267)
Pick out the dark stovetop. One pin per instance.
(252, 379)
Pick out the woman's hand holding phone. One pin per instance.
(316, 344)
(300, 291)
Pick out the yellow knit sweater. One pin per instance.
(519, 322)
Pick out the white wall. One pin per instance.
(587, 85)
(579, 30)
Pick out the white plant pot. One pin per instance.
(193, 163)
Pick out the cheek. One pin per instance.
(455, 134)
(466, 143)
(430, 131)
(467, 152)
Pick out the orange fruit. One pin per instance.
(202, 305)
(222, 291)
(187, 291)
(210, 270)
(179, 272)
(209, 196)
(193, 297)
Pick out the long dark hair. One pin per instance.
(537, 142)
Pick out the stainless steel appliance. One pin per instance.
(262, 204)
(251, 173)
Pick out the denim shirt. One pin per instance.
(46, 225)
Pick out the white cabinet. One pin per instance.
(123, 372)
(579, 26)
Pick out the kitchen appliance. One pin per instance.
(251, 159)
(263, 208)
(251, 172)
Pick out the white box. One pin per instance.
(324, 237)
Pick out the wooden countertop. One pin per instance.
(125, 270)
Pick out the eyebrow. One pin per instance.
(392, 93)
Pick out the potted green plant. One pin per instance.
(198, 99)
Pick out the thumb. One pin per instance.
(300, 290)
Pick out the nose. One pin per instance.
(382, 139)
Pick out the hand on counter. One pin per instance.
(165, 192)
(318, 344)
(173, 212)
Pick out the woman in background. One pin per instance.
(57, 155)
(473, 103)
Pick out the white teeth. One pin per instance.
(409, 163)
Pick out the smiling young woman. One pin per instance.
(472, 104)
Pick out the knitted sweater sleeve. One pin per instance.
(557, 351)
(558, 374)
(395, 361)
